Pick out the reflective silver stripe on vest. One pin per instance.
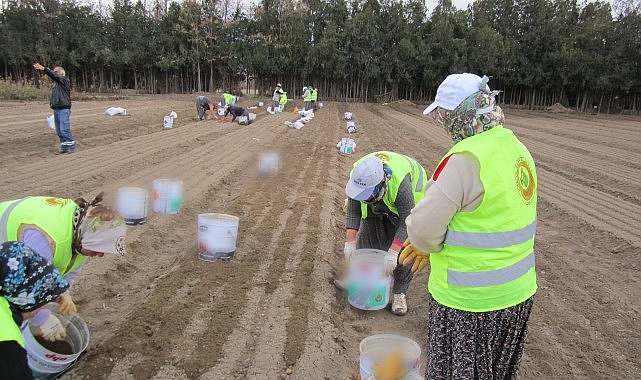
(419, 184)
(493, 277)
(490, 239)
(5, 219)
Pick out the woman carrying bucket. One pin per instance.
(382, 190)
(27, 283)
(65, 232)
(477, 221)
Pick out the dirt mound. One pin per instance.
(558, 108)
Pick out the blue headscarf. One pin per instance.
(27, 280)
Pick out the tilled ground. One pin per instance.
(272, 312)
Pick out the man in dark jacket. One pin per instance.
(235, 111)
(60, 103)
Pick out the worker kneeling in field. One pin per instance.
(382, 190)
(235, 112)
(202, 105)
(475, 226)
(65, 232)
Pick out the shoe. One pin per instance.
(61, 151)
(340, 284)
(399, 304)
(71, 150)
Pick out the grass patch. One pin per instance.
(16, 91)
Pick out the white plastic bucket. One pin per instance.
(320, 105)
(252, 116)
(167, 122)
(42, 360)
(350, 127)
(243, 120)
(268, 163)
(348, 116)
(167, 196)
(132, 204)
(377, 348)
(217, 235)
(260, 104)
(221, 111)
(347, 145)
(368, 288)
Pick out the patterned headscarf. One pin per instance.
(27, 280)
(476, 114)
(98, 227)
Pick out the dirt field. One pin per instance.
(272, 312)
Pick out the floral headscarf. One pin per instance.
(27, 280)
(476, 114)
(98, 227)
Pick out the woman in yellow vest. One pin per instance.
(65, 232)
(27, 283)
(476, 227)
(382, 189)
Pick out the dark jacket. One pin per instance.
(61, 93)
(236, 111)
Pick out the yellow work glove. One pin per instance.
(390, 368)
(51, 329)
(66, 304)
(410, 254)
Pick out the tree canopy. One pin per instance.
(538, 52)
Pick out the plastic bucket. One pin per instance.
(252, 116)
(221, 111)
(320, 105)
(368, 288)
(43, 360)
(347, 145)
(377, 348)
(217, 236)
(167, 196)
(132, 204)
(243, 120)
(268, 163)
(348, 116)
(167, 122)
(260, 104)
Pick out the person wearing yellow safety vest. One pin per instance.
(27, 284)
(283, 101)
(307, 98)
(382, 190)
(314, 97)
(476, 227)
(227, 99)
(65, 232)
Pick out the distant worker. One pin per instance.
(60, 103)
(235, 112)
(278, 93)
(282, 102)
(66, 232)
(27, 283)
(228, 99)
(476, 227)
(307, 98)
(202, 105)
(382, 190)
(314, 98)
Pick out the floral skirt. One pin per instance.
(467, 345)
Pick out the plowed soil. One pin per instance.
(271, 312)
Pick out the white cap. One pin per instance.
(454, 89)
(364, 178)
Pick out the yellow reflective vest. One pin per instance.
(401, 165)
(51, 216)
(9, 330)
(229, 99)
(314, 95)
(487, 260)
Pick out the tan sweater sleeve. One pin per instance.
(458, 188)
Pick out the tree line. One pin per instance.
(538, 52)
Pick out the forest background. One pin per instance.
(538, 52)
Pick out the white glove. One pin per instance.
(391, 260)
(52, 329)
(348, 251)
